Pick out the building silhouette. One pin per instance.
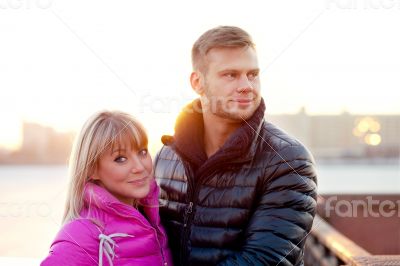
(40, 144)
(344, 135)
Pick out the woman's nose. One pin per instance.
(137, 165)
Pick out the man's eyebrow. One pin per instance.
(228, 70)
(238, 70)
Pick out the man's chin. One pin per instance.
(244, 115)
(244, 112)
(239, 114)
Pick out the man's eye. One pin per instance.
(120, 159)
(143, 152)
(252, 76)
(230, 75)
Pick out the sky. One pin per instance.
(61, 61)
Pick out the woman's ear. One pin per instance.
(93, 175)
(93, 178)
(196, 81)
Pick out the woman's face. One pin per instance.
(125, 172)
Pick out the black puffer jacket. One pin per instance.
(251, 203)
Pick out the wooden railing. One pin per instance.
(326, 246)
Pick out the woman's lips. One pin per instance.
(139, 181)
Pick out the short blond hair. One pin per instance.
(101, 131)
(219, 37)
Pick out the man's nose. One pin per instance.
(245, 85)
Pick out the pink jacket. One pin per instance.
(120, 235)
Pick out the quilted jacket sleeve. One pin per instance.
(75, 245)
(284, 214)
(68, 253)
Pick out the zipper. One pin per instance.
(184, 247)
(161, 249)
(185, 235)
(188, 211)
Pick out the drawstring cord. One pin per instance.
(107, 245)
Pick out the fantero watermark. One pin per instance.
(367, 207)
(25, 4)
(363, 4)
(172, 104)
(24, 209)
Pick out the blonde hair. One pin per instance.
(102, 131)
(219, 37)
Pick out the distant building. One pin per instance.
(41, 144)
(345, 135)
(327, 136)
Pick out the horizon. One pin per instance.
(155, 136)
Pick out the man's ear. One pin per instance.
(196, 80)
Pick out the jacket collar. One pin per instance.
(188, 138)
(99, 197)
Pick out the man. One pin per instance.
(235, 189)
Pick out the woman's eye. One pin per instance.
(120, 159)
(143, 152)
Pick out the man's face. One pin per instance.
(231, 84)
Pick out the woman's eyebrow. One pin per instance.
(118, 150)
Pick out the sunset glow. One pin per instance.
(58, 67)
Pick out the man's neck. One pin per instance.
(216, 131)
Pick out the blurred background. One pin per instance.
(329, 74)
